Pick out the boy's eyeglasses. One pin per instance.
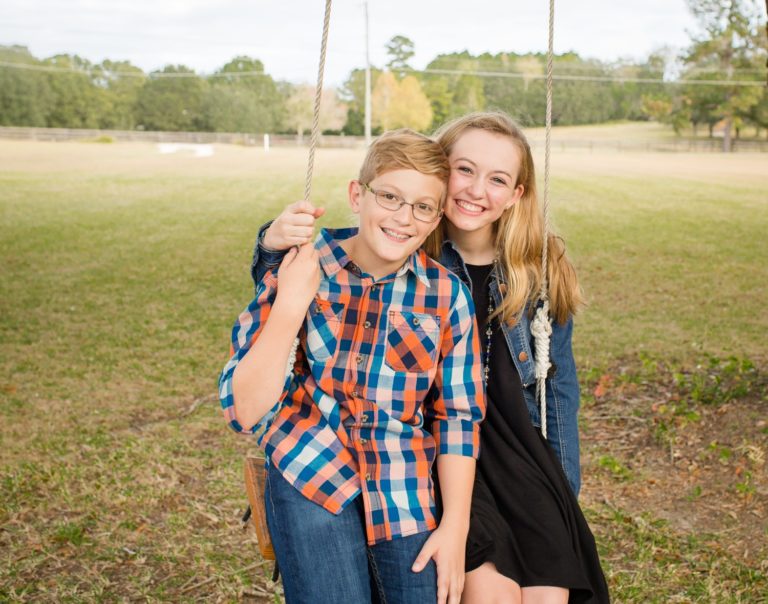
(422, 211)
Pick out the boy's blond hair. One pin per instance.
(405, 149)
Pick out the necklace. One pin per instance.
(489, 328)
(488, 339)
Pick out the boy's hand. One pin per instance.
(298, 279)
(446, 546)
(294, 226)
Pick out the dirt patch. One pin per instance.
(653, 446)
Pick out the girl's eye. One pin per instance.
(464, 169)
(499, 181)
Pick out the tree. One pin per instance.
(729, 29)
(300, 110)
(400, 104)
(400, 49)
(630, 99)
(172, 100)
(25, 94)
(452, 95)
(76, 101)
(352, 93)
(123, 82)
(757, 114)
(531, 67)
(242, 98)
(581, 101)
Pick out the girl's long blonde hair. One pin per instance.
(519, 231)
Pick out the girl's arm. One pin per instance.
(563, 400)
(455, 411)
(294, 226)
(447, 544)
(264, 259)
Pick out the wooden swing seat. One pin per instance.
(255, 474)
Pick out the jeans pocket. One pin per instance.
(324, 320)
(412, 341)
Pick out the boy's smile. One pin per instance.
(388, 237)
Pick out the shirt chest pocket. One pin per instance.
(324, 325)
(412, 341)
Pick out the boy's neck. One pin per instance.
(369, 265)
(475, 247)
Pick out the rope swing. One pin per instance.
(318, 97)
(313, 141)
(255, 466)
(541, 326)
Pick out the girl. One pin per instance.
(528, 540)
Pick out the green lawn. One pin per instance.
(123, 270)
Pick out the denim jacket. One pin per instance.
(562, 383)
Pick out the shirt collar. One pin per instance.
(451, 257)
(333, 258)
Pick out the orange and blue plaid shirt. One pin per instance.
(387, 376)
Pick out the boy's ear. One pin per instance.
(355, 192)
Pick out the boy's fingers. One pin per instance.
(306, 250)
(303, 206)
(319, 212)
(289, 256)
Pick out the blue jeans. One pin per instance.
(324, 558)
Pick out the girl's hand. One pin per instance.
(298, 279)
(446, 546)
(294, 226)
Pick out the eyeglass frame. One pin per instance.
(367, 187)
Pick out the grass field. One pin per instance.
(122, 271)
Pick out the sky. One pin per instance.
(285, 34)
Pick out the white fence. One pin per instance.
(231, 138)
(681, 144)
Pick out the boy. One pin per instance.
(385, 379)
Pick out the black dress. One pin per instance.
(524, 517)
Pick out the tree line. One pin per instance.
(717, 81)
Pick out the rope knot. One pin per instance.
(541, 329)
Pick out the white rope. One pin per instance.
(318, 96)
(313, 143)
(541, 327)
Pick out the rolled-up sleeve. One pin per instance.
(246, 329)
(264, 259)
(458, 405)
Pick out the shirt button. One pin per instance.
(359, 359)
(367, 324)
(355, 393)
(363, 441)
(416, 320)
(523, 356)
(373, 287)
(364, 417)
(367, 476)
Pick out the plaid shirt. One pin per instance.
(387, 376)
